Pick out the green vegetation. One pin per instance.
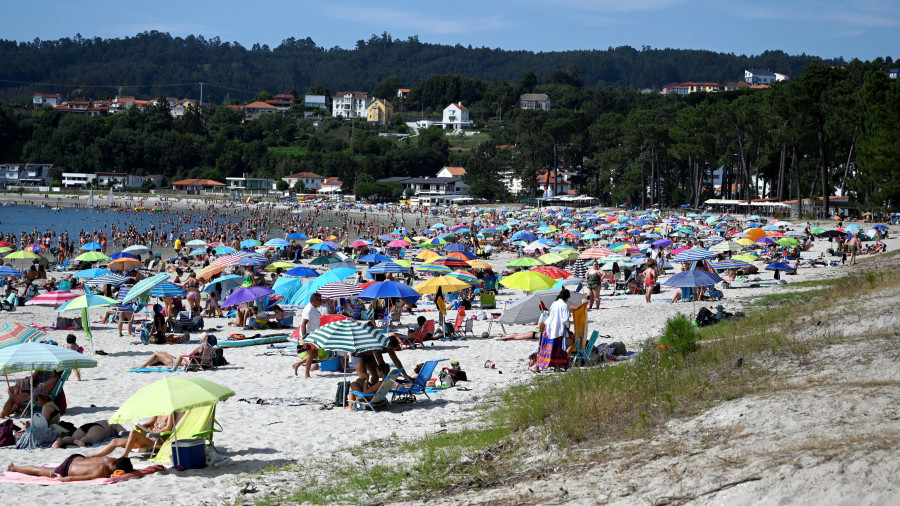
(589, 408)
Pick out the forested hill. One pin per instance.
(141, 64)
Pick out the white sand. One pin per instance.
(256, 436)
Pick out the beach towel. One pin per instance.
(9, 477)
(282, 401)
(150, 369)
(579, 321)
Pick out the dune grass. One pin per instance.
(590, 407)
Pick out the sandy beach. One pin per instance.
(256, 436)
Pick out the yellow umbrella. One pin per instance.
(745, 242)
(404, 263)
(21, 255)
(479, 264)
(427, 255)
(445, 283)
(745, 258)
(313, 241)
(530, 281)
(278, 265)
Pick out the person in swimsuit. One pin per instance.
(140, 437)
(91, 433)
(192, 285)
(78, 468)
(649, 279)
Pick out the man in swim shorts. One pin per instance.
(78, 468)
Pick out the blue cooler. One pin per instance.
(331, 365)
(189, 453)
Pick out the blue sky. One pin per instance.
(861, 29)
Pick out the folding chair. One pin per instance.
(418, 337)
(418, 386)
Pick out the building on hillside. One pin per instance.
(121, 104)
(135, 181)
(284, 102)
(782, 77)
(736, 85)
(199, 186)
(317, 101)
(25, 174)
(310, 180)
(535, 101)
(402, 93)
(74, 106)
(451, 172)
(115, 179)
(252, 185)
(350, 104)
(179, 108)
(77, 179)
(757, 76)
(552, 185)
(690, 87)
(380, 111)
(331, 185)
(41, 100)
(255, 110)
(431, 185)
(893, 73)
(456, 117)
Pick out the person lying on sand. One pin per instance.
(169, 360)
(91, 433)
(78, 468)
(531, 334)
(140, 436)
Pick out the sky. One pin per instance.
(862, 29)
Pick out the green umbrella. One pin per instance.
(325, 260)
(84, 302)
(169, 395)
(525, 262)
(817, 231)
(18, 255)
(787, 241)
(92, 256)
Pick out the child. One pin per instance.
(72, 345)
(212, 306)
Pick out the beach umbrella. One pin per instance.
(398, 243)
(436, 268)
(385, 267)
(553, 272)
(360, 243)
(323, 320)
(92, 272)
(444, 283)
(250, 243)
(779, 266)
(745, 258)
(726, 246)
(197, 252)
(693, 255)
(322, 247)
(169, 395)
(13, 333)
(92, 246)
(348, 336)
(595, 252)
(729, 264)
(301, 295)
(225, 283)
(524, 262)
(529, 281)
(278, 265)
(528, 310)
(339, 290)
(389, 290)
(787, 241)
(468, 277)
(85, 302)
(455, 247)
(122, 254)
(478, 264)
(404, 263)
(692, 279)
(167, 289)
(325, 260)
(247, 294)
(92, 256)
(125, 264)
(662, 243)
(111, 279)
(302, 272)
(196, 243)
(23, 255)
(210, 270)
(144, 286)
(277, 243)
(552, 258)
(137, 249)
(375, 258)
(297, 236)
(6, 270)
(37, 248)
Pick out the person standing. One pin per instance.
(854, 245)
(309, 321)
(556, 337)
(649, 279)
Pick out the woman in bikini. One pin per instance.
(91, 433)
(192, 285)
(141, 436)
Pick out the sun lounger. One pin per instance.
(418, 338)
(197, 423)
(418, 386)
(377, 398)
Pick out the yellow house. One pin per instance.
(380, 111)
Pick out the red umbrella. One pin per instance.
(367, 284)
(553, 272)
(52, 298)
(325, 320)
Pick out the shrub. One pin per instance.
(680, 335)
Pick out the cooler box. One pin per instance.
(189, 453)
(331, 365)
(488, 300)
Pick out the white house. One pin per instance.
(310, 180)
(350, 104)
(331, 185)
(893, 73)
(757, 76)
(252, 185)
(40, 100)
(177, 110)
(112, 178)
(451, 172)
(535, 101)
(77, 179)
(782, 77)
(456, 117)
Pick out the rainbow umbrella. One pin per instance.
(52, 298)
(16, 333)
(34, 248)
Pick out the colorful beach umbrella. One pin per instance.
(167, 289)
(15, 333)
(247, 294)
(170, 395)
(52, 298)
(92, 256)
(124, 264)
(529, 281)
(444, 283)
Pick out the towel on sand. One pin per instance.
(8, 477)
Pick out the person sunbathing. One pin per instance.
(78, 468)
(532, 334)
(169, 360)
(91, 433)
(20, 393)
(141, 436)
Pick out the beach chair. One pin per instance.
(418, 338)
(10, 303)
(418, 386)
(56, 393)
(202, 362)
(584, 353)
(63, 266)
(196, 423)
(622, 284)
(377, 398)
(468, 328)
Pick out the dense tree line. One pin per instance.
(831, 129)
(139, 64)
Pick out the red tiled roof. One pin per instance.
(456, 171)
(70, 102)
(332, 181)
(234, 107)
(546, 178)
(279, 102)
(285, 96)
(304, 175)
(258, 105)
(47, 95)
(354, 94)
(461, 108)
(403, 90)
(198, 182)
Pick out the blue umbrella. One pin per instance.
(248, 294)
(301, 296)
(302, 272)
(374, 258)
(389, 290)
(92, 246)
(297, 236)
(278, 243)
(693, 255)
(779, 266)
(228, 282)
(91, 273)
(167, 289)
(322, 247)
(116, 256)
(197, 251)
(224, 250)
(6, 270)
(663, 243)
(524, 235)
(385, 267)
(107, 279)
(455, 247)
(880, 227)
(250, 243)
(692, 279)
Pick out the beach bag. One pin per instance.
(8, 433)
(340, 397)
(618, 349)
(218, 357)
(63, 323)
(705, 317)
(446, 378)
(457, 374)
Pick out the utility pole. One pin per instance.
(201, 99)
(555, 170)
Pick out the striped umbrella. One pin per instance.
(580, 268)
(693, 255)
(210, 270)
(16, 333)
(346, 335)
(726, 246)
(443, 269)
(167, 289)
(6, 270)
(145, 285)
(479, 264)
(448, 261)
(52, 298)
(385, 267)
(729, 264)
(339, 290)
(43, 357)
(278, 243)
(468, 277)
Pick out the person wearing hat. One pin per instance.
(720, 313)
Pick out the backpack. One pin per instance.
(8, 433)
(446, 378)
(705, 317)
(457, 374)
(340, 397)
(218, 357)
